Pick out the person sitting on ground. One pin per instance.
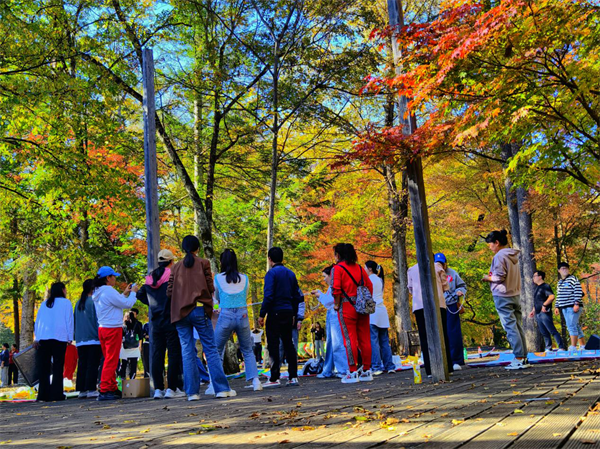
(505, 283)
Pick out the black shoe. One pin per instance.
(108, 396)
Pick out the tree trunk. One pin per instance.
(198, 169)
(28, 307)
(274, 149)
(16, 295)
(528, 267)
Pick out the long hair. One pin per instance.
(327, 270)
(190, 244)
(498, 236)
(346, 252)
(229, 266)
(100, 281)
(158, 272)
(88, 287)
(377, 269)
(56, 291)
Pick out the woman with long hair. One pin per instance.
(231, 292)
(109, 307)
(381, 358)
(53, 331)
(191, 291)
(348, 276)
(87, 341)
(163, 333)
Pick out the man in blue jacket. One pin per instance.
(280, 305)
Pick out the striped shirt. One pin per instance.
(568, 292)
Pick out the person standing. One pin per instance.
(542, 310)
(4, 362)
(257, 338)
(457, 289)
(414, 287)
(109, 309)
(87, 342)
(356, 331)
(569, 297)
(133, 334)
(231, 292)
(191, 291)
(505, 283)
(146, 348)
(162, 332)
(53, 331)
(319, 337)
(280, 306)
(381, 359)
(335, 353)
(13, 371)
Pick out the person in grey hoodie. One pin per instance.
(505, 282)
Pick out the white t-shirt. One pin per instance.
(55, 323)
(257, 336)
(380, 318)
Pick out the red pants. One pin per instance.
(110, 340)
(356, 332)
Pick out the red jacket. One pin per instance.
(341, 280)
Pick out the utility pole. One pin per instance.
(420, 217)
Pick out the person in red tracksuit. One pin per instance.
(356, 330)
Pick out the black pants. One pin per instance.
(420, 317)
(258, 352)
(279, 326)
(132, 364)
(166, 340)
(87, 367)
(13, 374)
(51, 361)
(146, 358)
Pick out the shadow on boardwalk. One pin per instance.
(542, 407)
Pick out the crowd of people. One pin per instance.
(183, 296)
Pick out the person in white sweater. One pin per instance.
(109, 308)
(53, 331)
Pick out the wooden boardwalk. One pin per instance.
(547, 406)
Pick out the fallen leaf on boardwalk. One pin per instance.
(443, 415)
(303, 428)
(106, 426)
(191, 414)
(391, 421)
(299, 404)
(588, 442)
(518, 410)
(64, 447)
(500, 424)
(361, 418)
(512, 434)
(391, 428)
(517, 393)
(145, 431)
(595, 430)
(129, 421)
(427, 435)
(549, 402)
(557, 434)
(284, 441)
(128, 438)
(254, 415)
(456, 422)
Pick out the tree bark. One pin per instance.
(15, 295)
(28, 307)
(274, 149)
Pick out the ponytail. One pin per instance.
(99, 281)
(158, 272)
(190, 244)
(376, 269)
(88, 287)
(57, 290)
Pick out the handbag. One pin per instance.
(363, 303)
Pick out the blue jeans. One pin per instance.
(509, 311)
(380, 349)
(335, 352)
(236, 320)
(197, 319)
(547, 329)
(204, 377)
(572, 319)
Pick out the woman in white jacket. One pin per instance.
(53, 331)
(109, 308)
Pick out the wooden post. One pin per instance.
(150, 165)
(151, 176)
(418, 202)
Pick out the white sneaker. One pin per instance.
(350, 378)
(456, 367)
(365, 376)
(391, 371)
(256, 384)
(194, 397)
(293, 382)
(82, 395)
(210, 390)
(377, 373)
(572, 348)
(269, 384)
(517, 364)
(170, 394)
(159, 394)
(226, 394)
(93, 394)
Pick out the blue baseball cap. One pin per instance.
(439, 257)
(107, 271)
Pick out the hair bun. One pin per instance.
(504, 232)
